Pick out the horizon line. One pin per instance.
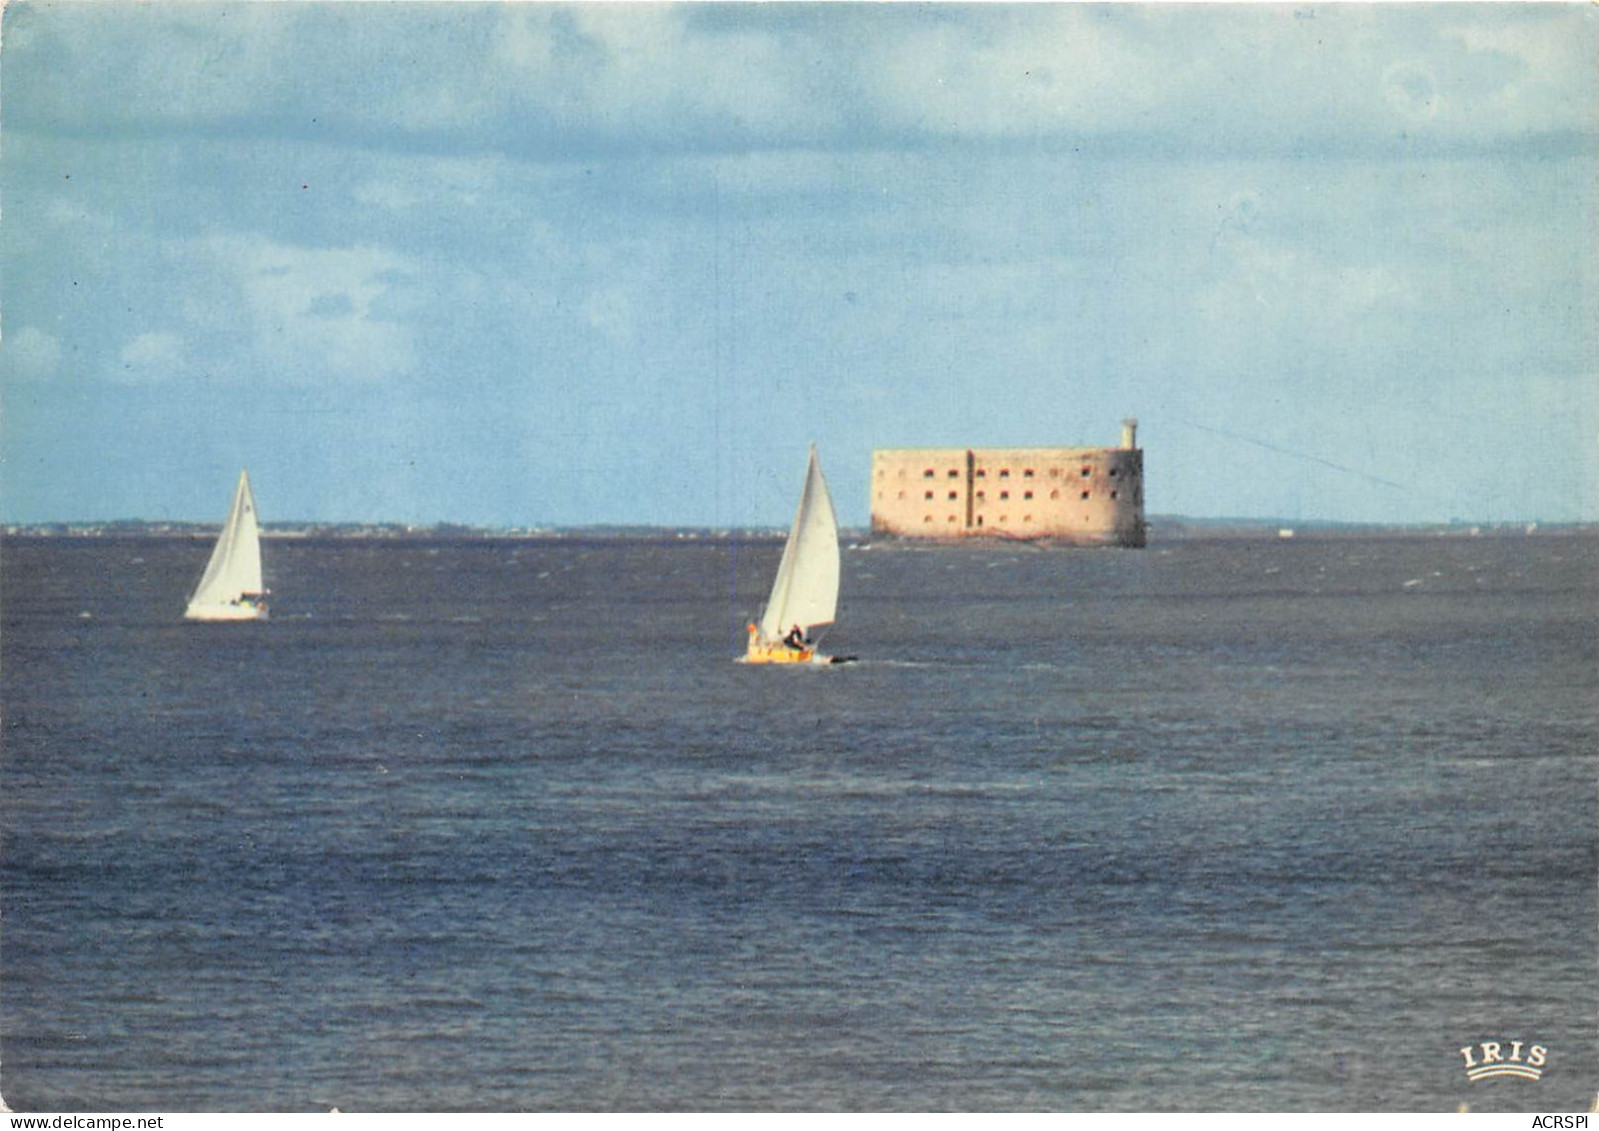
(1277, 524)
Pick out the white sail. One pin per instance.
(806, 589)
(234, 571)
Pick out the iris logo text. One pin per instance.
(1505, 1058)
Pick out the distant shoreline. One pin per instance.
(1162, 529)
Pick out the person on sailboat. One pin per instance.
(795, 638)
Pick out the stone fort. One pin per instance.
(1074, 496)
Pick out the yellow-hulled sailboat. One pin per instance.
(805, 591)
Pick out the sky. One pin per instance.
(538, 264)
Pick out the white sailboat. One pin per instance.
(230, 588)
(805, 591)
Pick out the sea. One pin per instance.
(492, 824)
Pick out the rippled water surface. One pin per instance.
(1218, 825)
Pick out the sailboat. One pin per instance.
(230, 588)
(805, 591)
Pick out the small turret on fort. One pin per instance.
(1074, 496)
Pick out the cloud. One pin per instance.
(76, 217)
(1013, 75)
(391, 196)
(153, 355)
(553, 80)
(317, 313)
(1411, 91)
(30, 354)
(621, 73)
(180, 64)
(1529, 73)
(1240, 76)
(445, 185)
(610, 311)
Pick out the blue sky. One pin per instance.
(524, 264)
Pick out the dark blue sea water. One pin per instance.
(1217, 825)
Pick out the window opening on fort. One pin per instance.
(928, 474)
(1054, 494)
(1004, 473)
(954, 495)
(1004, 494)
(1027, 494)
(1085, 494)
(927, 495)
(1028, 473)
(1085, 471)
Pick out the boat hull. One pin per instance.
(231, 611)
(759, 650)
(782, 654)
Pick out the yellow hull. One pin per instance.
(780, 654)
(758, 651)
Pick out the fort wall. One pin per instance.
(1077, 496)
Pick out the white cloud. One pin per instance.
(185, 63)
(414, 183)
(1411, 90)
(1339, 75)
(1528, 74)
(1268, 294)
(711, 76)
(622, 70)
(1054, 68)
(152, 355)
(391, 196)
(609, 311)
(318, 313)
(77, 217)
(30, 354)
(1543, 51)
